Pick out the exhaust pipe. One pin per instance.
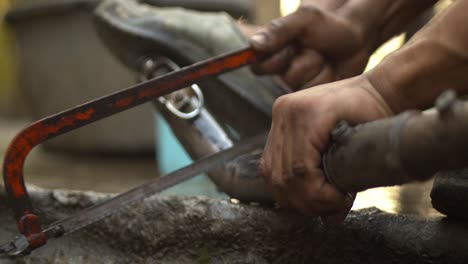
(412, 146)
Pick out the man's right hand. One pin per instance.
(318, 43)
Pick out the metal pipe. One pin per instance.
(205, 135)
(412, 146)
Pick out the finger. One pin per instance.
(276, 155)
(310, 27)
(247, 30)
(326, 75)
(330, 200)
(303, 68)
(302, 165)
(276, 64)
(270, 169)
(281, 200)
(266, 170)
(314, 197)
(277, 194)
(281, 182)
(302, 200)
(265, 161)
(339, 217)
(280, 32)
(298, 197)
(300, 148)
(294, 167)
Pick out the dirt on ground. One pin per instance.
(177, 229)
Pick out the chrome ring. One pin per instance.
(151, 65)
(200, 100)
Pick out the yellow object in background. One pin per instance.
(7, 61)
(388, 47)
(289, 6)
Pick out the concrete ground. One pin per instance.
(178, 229)
(165, 229)
(114, 174)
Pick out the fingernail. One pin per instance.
(258, 39)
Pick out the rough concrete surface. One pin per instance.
(202, 230)
(449, 194)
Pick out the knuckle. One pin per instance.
(281, 181)
(287, 178)
(271, 66)
(331, 199)
(280, 104)
(313, 59)
(310, 10)
(292, 81)
(260, 68)
(265, 168)
(276, 26)
(277, 183)
(298, 107)
(299, 169)
(357, 36)
(293, 76)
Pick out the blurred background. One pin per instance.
(51, 60)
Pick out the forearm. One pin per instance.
(435, 59)
(382, 19)
(390, 18)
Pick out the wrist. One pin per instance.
(384, 83)
(395, 75)
(381, 20)
(414, 76)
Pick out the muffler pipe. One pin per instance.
(412, 146)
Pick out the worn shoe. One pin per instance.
(132, 30)
(235, 8)
(240, 101)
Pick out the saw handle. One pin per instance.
(61, 123)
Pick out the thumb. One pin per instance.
(279, 33)
(309, 27)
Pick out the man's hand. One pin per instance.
(329, 40)
(314, 45)
(302, 121)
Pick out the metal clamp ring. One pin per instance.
(150, 66)
(173, 109)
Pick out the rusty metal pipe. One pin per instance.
(412, 146)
